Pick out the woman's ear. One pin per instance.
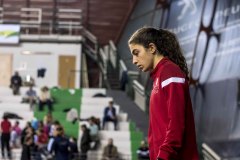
(152, 48)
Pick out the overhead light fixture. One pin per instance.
(26, 52)
(35, 53)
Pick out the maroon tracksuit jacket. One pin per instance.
(171, 132)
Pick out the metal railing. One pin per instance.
(113, 54)
(139, 95)
(31, 16)
(133, 88)
(34, 21)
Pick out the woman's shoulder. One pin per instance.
(170, 69)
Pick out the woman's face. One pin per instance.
(142, 57)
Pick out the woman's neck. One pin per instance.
(157, 59)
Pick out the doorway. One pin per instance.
(66, 71)
(5, 69)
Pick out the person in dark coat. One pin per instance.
(28, 144)
(110, 115)
(85, 142)
(16, 83)
(143, 151)
(73, 148)
(61, 145)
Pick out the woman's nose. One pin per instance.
(134, 61)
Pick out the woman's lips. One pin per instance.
(140, 67)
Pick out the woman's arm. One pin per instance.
(174, 89)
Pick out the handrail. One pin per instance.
(24, 15)
(69, 19)
(112, 45)
(214, 154)
(113, 54)
(70, 10)
(138, 87)
(90, 36)
(134, 73)
(1, 14)
(122, 65)
(104, 59)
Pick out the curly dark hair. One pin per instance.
(166, 43)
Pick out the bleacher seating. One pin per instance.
(124, 149)
(95, 107)
(14, 107)
(96, 101)
(96, 110)
(90, 92)
(10, 99)
(12, 104)
(87, 106)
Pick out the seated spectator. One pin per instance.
(94, 119)
(143, 151)
(30, 97)
(110, 151)
(15, 134)
(94, 133)
(110, 115)
(45, 99)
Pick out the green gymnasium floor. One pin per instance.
(136, 138)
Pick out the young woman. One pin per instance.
(171, 133)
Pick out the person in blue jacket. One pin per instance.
(110, 115)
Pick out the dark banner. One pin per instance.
(184, 20)
(226, 23)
